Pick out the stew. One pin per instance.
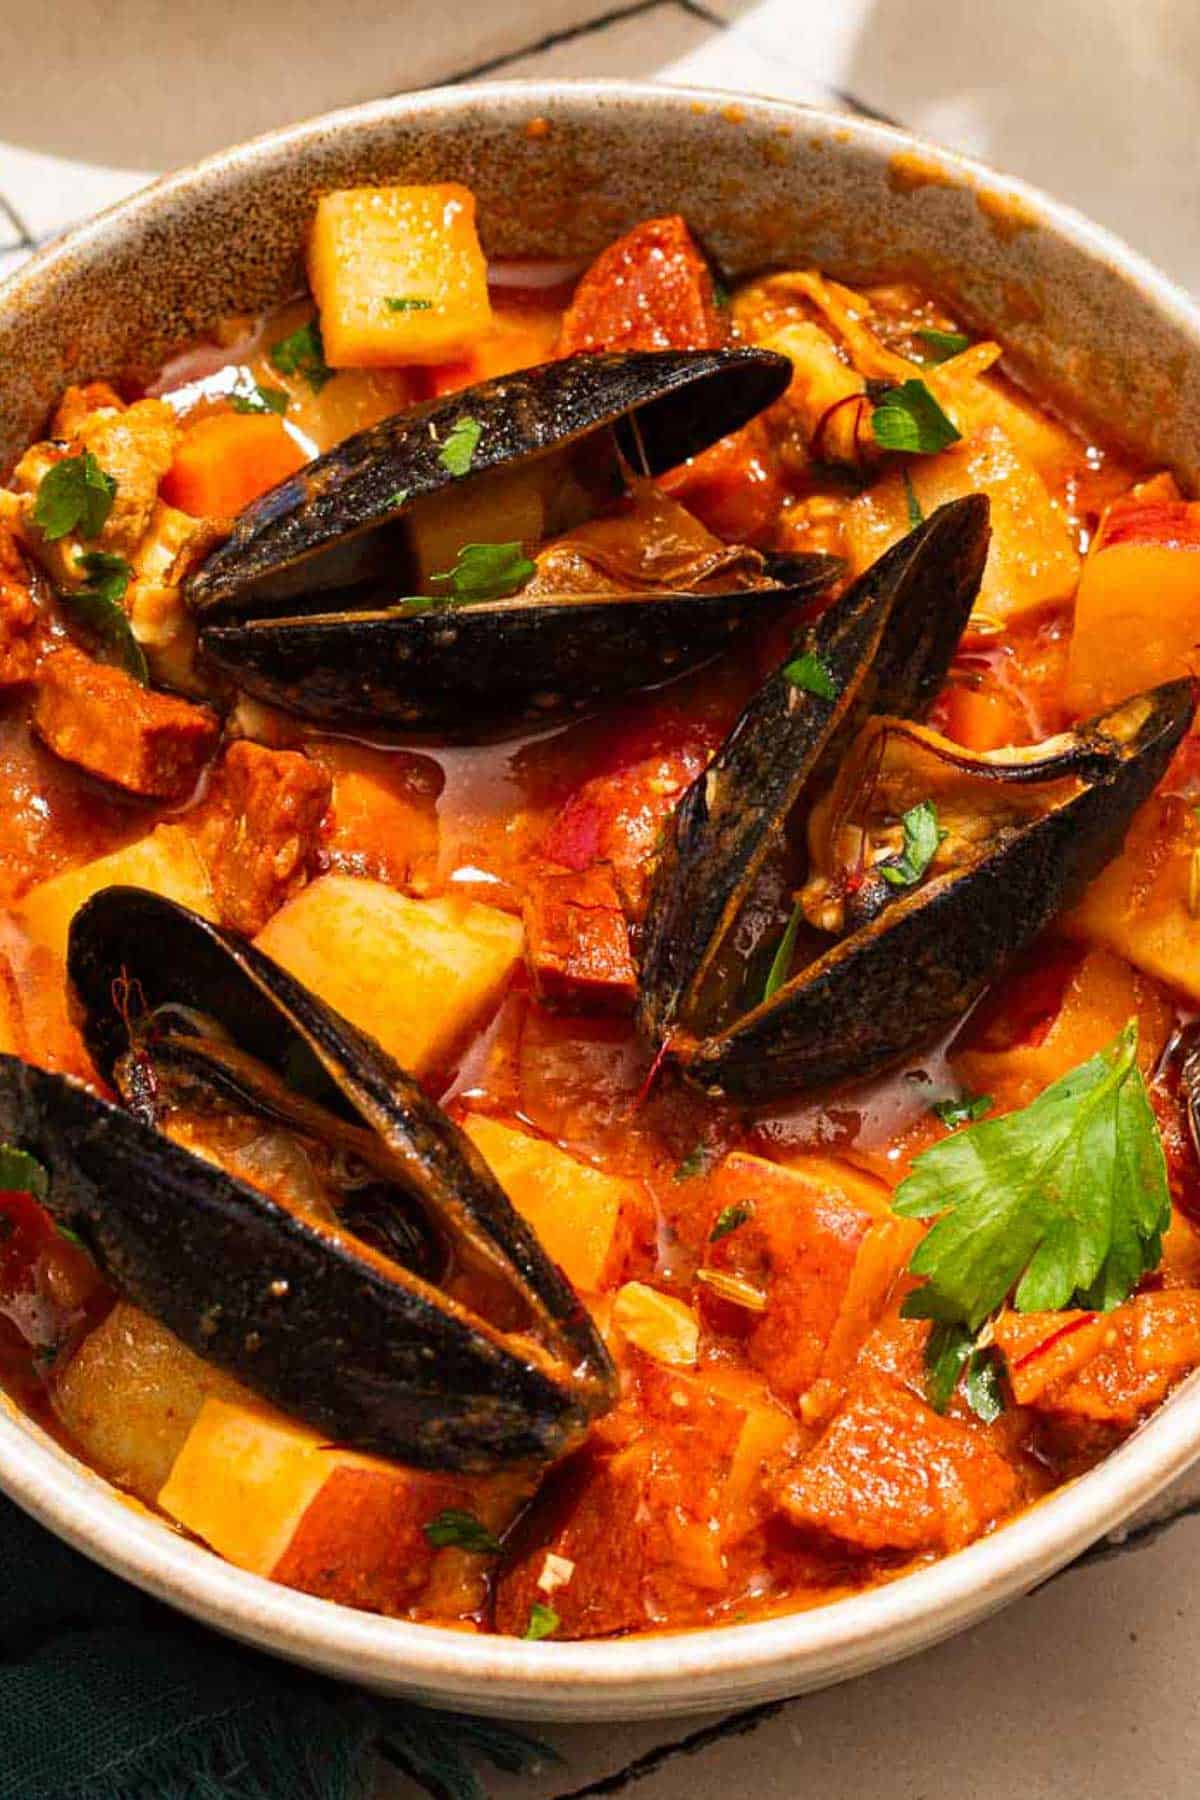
(597, 933)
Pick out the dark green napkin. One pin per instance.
(107, 1695)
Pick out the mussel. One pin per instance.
(1015, 836)
(336, 595)
(884, 646)
(414, 1314)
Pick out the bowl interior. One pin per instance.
(559, 170)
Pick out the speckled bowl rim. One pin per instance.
(651, 1675)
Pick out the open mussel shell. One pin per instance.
(898, 982)
(309, 1316)
(301, 537)
(885, 647)
(467, 672)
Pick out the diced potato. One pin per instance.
(1031, 560)
(1144, 905)
(165, 862)
(582, 1216)
(1102, 992)
(398, 274)
(1137, 613)
(130, 1395)
(275, 1497)
(658, 1324)
(419, 975)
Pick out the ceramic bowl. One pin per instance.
(559, 169)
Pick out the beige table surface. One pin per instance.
(1087, 1689)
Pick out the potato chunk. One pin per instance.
(275, 1497)
(1031, 560)
(130, 1395)
(419, 975)
(398, 274)
(582, 1216)
(166, 862)
(1139, 595)
(1143, 904)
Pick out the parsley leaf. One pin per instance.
(486, 572)
(909, 418)
(21, 1173)
(403, 303)
(397, 499)
(781, 962)
(542, 1621)
(97, 606)
(462, 1530)
(460, 446)
(302, 353)
(951, 1350)
(74, 492)
(696, 1162)
(1064, 1202)
(946, 1351)
(962, 1109)
(985, 1385)
(728, 1219)
(811, 674)
(915, 515)
(944, 344)
(258, 399)
(922, 835)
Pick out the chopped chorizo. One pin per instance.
(651, 290)
(796, 1245)
(263, 831)
(18, 616)
(100, 719)
(890, 1474)
(577, 941)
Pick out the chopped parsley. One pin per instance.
(908, 418)
(696, 1162)
(485, 572)
(302, 353)
(951, 1351)
(728, 1219)
(943, 344)
(97, 607)
(396, 500)
(405, 303)
(258, 399)
(543, 1620)
(962, 1109)
(812, 675)
(946, 1351)
(21, 1173)
(461, 1530)
(985, 1385)
(915, 515)
(75, 494)
(460, 446)
(922, 835)
(1062, 1203)
(781, 962)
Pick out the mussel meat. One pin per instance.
(336, 594)
(401, 1305)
